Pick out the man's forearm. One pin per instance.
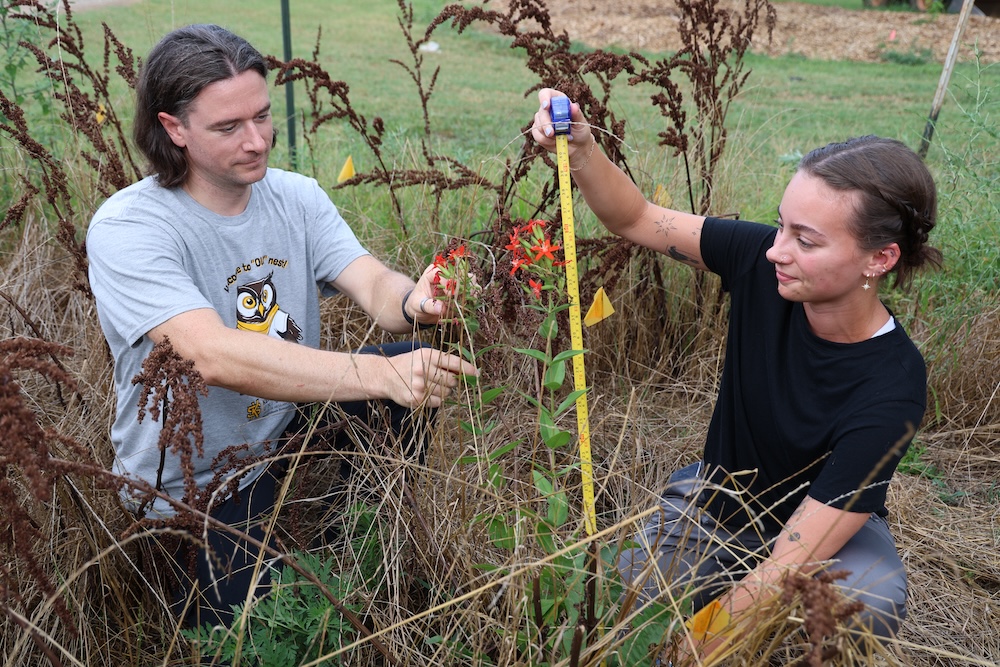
(258, 365)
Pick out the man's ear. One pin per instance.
(174, 128)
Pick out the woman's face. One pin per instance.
(816, 258)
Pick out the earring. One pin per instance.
(866, 286)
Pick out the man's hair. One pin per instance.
(176, 71)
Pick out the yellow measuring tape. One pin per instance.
(575, 320)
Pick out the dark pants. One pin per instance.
(682, 550)
(227, 572)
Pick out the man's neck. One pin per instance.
(222, 201)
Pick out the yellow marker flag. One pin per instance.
(600, 309)
(710, 622)
(662, 198)
(347, 171)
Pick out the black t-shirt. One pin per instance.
(798, 414)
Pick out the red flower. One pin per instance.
(545, 249)
(536, 287)
(530, 227)
(515, 241)
(457, 253)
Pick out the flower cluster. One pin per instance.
(454, 276)
(534, 253)
(455, 284)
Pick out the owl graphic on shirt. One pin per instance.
(257, 310)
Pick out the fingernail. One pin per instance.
(548, 132)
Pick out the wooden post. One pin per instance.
(949, 65)
(286, 35)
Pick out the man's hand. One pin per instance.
(420, 303)
(425, 376)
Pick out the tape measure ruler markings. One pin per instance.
(559, 110)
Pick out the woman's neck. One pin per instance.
(847, 323)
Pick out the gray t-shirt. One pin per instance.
(155, 253)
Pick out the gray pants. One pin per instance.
(684, 550)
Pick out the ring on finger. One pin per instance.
(422, 302)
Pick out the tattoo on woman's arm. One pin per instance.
(681, 257)
(794, 535)
(663, 226)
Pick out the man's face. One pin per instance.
(226, 136)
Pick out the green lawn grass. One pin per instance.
(479, 106)
(480, 103)
(789, 105)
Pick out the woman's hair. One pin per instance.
(895, 199)
(176, 71)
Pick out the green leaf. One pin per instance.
(569, 401)
(531, 399)
(484, 350)
(542, 483)
(500, 451)
(494, 476)
(464, 352)
(558, 440)
(555, 376)
(490, 394)
(547, 605)
(553, 436)
(486, 567)
(558, 508)
(567, 354)
(534, 354)
(651, 625)
(500, 533)
(549, 328)
(544, 535)
(492, 456)
(469, 427)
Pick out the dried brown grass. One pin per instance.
(82, 548)
(649, 411)
(653, 370)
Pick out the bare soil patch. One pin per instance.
(828, 33)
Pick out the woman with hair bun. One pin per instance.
(821, 392)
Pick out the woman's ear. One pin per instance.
(884, 260)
